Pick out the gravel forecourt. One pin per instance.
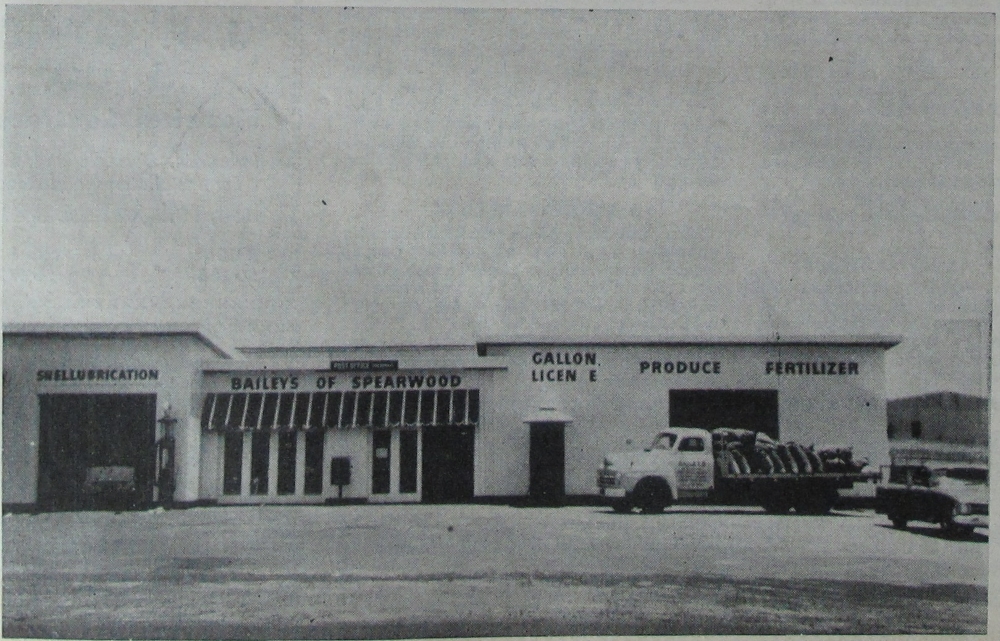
(391, 571)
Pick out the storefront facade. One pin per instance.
(165, 408)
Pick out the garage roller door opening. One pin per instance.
(755, 410)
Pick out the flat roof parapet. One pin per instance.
(869, 340)
(118, 330)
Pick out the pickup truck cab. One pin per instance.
(955, 496)
(677, 465)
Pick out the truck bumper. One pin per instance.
(971, 520)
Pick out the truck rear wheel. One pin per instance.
(815, 503)
(776, 504)
(898, 521)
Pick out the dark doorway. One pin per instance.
(755, 410)
(447, 475)
(381, 462)
(547, 459)
(96, 451)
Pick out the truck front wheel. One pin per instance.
(652, 495)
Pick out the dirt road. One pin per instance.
(419, 571)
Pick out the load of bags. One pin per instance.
(747, 452)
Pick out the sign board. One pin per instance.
(364, 366)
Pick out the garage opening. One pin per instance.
(96, 451)
(448, 464)
(755, 410)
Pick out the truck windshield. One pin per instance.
(664, 441)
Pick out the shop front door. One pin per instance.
(547, 460)
(448, 464)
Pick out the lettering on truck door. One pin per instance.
(694, 464)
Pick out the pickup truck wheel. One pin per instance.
(899, 522)
(955, 530)
(621, 506)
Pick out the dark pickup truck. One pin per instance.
(953, 495)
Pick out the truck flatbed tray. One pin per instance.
(856, 476)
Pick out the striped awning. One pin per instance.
(290, 411)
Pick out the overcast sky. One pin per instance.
(330, 176)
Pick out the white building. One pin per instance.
(178, 416)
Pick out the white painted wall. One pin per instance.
(176, 357)
(623, 407)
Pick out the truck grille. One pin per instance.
(607, 478)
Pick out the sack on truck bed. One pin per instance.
(837, 458)
(723, 437)
(786, 459)
(801, 460)
(760, 462)
(814, 460)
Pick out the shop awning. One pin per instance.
(290, 411)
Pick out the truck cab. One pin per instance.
(677, 465)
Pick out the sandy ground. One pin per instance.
(471, 570)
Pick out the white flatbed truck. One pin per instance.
(693, 465)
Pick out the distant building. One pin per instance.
(943, 417)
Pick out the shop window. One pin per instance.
(260, 461)
(314, 463)
(915, 429)
(285, 408)
(408, 462)
(411, 402)
(254, 404)
(269, 411)
(890, 430)
(395, 408)
(381, 442)
(232, 465)
(286, 463)
(236, 409)
(379, 403)
(301, 418)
